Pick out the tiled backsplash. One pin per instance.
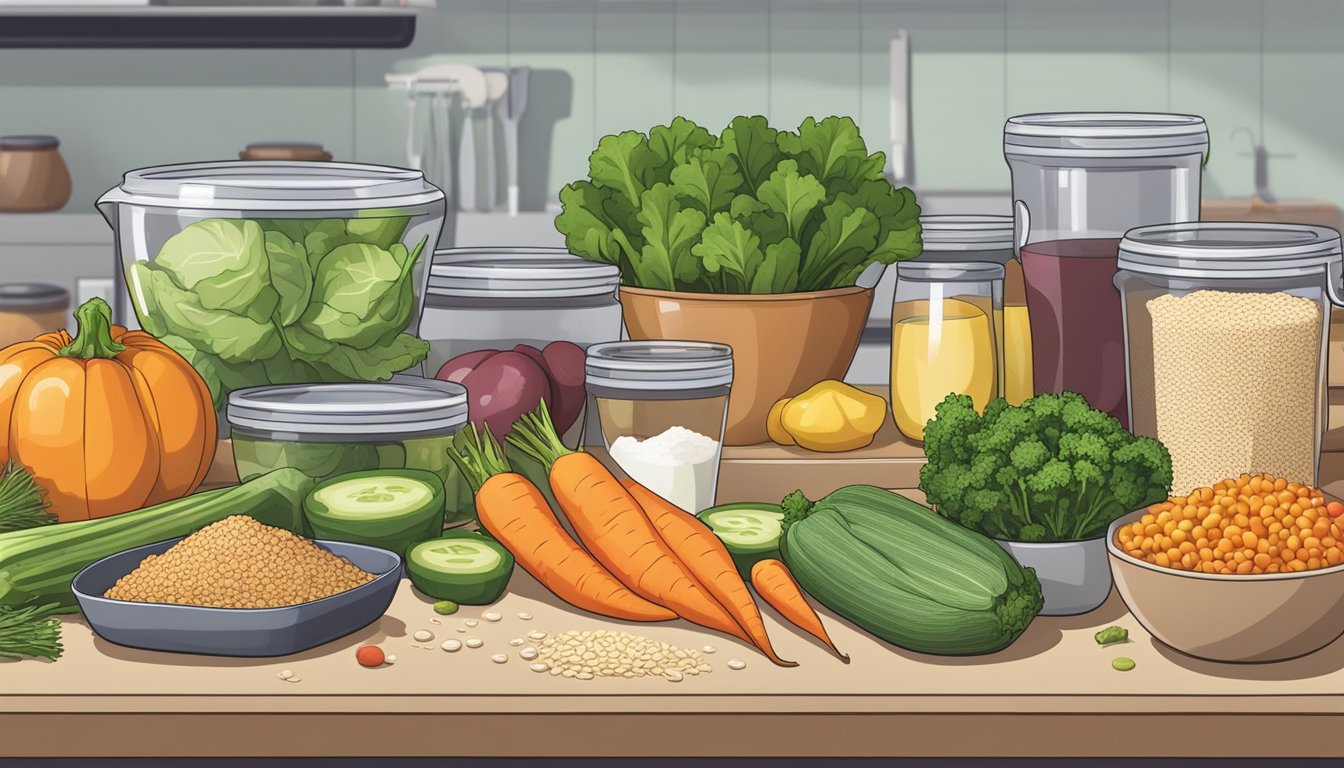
(604, 65)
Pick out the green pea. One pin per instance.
(445, 607)
(1122, 664)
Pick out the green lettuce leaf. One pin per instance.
(291, 276)
(792, 196)
(234, 338)
(384, 231)
(779, 271)
(222, 261)
(672, 144)
(846, 238)
(624, 162)
(753, 146)
(833, 152)
(378, 363)
(707, 180)
(731, 251)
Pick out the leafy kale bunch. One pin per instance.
(755, 210)
(250, 302)
(1051, 469)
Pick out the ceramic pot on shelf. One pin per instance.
(33, 176)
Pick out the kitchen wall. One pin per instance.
(1273, 66)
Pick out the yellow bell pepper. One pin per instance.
(829, 416)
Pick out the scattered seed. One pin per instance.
(436, 621)
(295, 679)
(737, 664)
(673, 676)
(517, 641)
(524, 615)
(536, 634)
(499, 658)
(538, 666)
(285, 674)
(462, 630)
(451, 645)
(475, 642)
(391, 659)
(709, 649)
(1122, 664)
(423, 636)
(491, 616)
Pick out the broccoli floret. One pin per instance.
(796, 509)
(1051, 469)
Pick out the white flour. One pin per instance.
(681, 465)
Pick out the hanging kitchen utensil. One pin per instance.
(516, 103)
(497, 87)
(465, 81)
(900, 160)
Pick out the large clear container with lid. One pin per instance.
(658, 408)
(497, 298)
(1226, 327)
(325, 430)
(278, 272)
(1080, 181)
(944, 337)
(972, 237)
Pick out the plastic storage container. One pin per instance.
(1226, 327)
(944, 337)
(955, 237)
(279, 272)
(658, 408)
(326, 430)
(30, 309)
(496, 298)
(1080, 181)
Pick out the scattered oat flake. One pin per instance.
(390, 659)
(499, 658)
(471, 622)
(737, 664)
(451, 645)
(423, 636)
(492, 616)
(475, 642)
(294, 679)
(524, 615)
(285, 674)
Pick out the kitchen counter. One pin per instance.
(1052, 693)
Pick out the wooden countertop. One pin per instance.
(1052, 693)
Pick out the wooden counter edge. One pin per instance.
(624, 734)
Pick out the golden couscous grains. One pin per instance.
(600, 653)
(239, 563)
(1217, 413)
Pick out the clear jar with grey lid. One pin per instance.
(964, 237)
(498, 298)
(30, 309)
(658, 408)
(1226, 327)
(325, 430)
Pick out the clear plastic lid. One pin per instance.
(408, 406)
(1230, 250)
(949, 271)
(274, 185)
(954, 235)
(1105, 134)
(659, 366)
(519, 273)
(31, 297)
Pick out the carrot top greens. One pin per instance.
(534, 436)
(478, 455)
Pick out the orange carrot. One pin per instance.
(516, 513)
(708, 560)
(615, 529)
(772, 581)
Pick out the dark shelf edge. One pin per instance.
(199, 31)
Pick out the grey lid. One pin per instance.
(1105, 134)
(957, 234)
(33, 296)
(29, 142)
(1229, 250)
(659, 365)
(274, 185)
(949, 271)
(519, 273)
(362, 410)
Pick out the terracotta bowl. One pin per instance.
(782, 343)
(1250, 618)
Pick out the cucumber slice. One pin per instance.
(462, 566)
(750, 532)
(388, 508)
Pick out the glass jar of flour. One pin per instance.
(658, 409)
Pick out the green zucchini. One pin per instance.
(749, 531)
(462, 566)
(37, 564)
(388, 508)
(907, 575)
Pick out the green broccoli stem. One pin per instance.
(93, 338)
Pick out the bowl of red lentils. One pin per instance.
(1250, 569)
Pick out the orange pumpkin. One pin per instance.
(108, 421)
